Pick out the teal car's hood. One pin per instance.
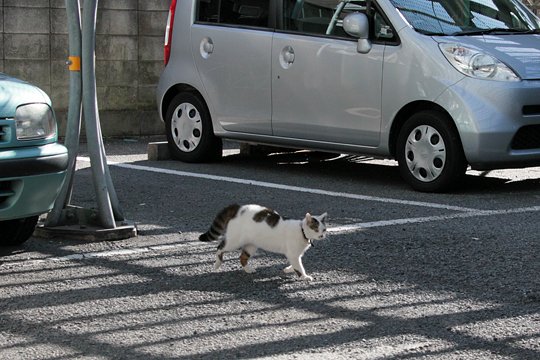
(15, 92)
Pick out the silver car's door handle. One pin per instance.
(286, 57)
(207, 47)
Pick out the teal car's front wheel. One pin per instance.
(16, 232)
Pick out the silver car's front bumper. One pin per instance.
(488, 121)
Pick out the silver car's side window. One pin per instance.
(325, 17)
(308, 16)
(250, 13)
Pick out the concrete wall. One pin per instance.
(129, 57)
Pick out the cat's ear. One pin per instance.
(308, 217)
(323, 217)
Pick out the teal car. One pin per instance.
(32, 162)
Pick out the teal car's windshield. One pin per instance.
(468, 17)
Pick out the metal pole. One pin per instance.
(93, 133)
(73, 127)
(115, 203)
(73, 221)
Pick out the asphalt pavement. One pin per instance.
(402, 274)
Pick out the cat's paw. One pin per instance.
(306, 278)
(249, 269)
(288, 269)
(217, 264)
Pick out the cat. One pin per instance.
(250, 227)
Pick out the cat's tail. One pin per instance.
(219, 225)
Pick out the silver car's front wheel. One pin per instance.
(425, 153)
(429, 152)
(186, 127)
(189, 130)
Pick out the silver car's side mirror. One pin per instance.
(357, 25)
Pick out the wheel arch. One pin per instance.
(406, 112)
(175, 90)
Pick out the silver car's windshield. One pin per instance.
(468, 17)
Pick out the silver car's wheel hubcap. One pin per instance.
(425, 153)
(186, 127)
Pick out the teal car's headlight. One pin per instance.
(477, 64)
(34, 121)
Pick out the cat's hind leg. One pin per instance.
(219, 254)
(247, 252)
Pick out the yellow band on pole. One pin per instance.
(74, 63)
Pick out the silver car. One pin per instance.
(437, 85)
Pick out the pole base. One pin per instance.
(82, 224)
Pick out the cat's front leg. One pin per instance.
(298, 268)
(288, 269)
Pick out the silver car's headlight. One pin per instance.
(34, 121)
(477, 64)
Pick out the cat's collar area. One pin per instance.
(310, 241)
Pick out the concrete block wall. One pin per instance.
(129, 57)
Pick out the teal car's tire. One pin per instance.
(15, 232)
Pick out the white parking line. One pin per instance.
(333, 230)
(356, 227)
(288, 187)
(462, 212)
(99, 254)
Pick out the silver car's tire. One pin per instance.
(429, 152)
(189, 130)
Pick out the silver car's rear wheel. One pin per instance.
(429, 152)
(425, 153)
(189, 130)
(186, 127)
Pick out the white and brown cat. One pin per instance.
(250, 227)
